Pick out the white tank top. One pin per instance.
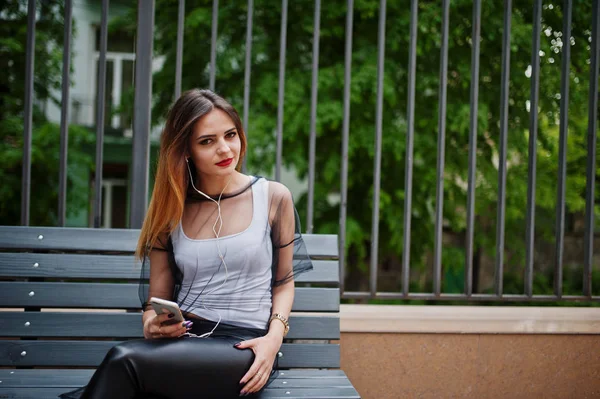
(245, 298)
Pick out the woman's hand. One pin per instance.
(265, 349)
(155, 327)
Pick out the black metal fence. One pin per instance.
(142, 120)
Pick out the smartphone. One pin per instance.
(164, 306)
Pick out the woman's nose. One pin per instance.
(223, 148)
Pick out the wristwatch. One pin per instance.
(282, 319)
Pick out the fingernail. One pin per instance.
(171, 315)
(237, 345)
(242, 393)
(187, 323)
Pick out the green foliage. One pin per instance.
(45, 136)
(44, 172)
(47, 55)
(264, 102)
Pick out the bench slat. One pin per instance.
(114, 267)
(75, 239)
(91, 353)
(81, 378)
(116, 240)
(270, 393)
(282, 382)
(69, 266)
(335, 392)
(128, 325)
(14, 378)
(125, 296)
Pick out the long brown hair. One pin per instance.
(172, 179)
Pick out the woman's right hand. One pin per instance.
(155, 327)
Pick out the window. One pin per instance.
(114, 203)
(114, 197)
(120, 59)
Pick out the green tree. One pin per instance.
(45, 135)
(263, 117)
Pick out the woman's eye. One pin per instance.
(231, 134)
(206, 142)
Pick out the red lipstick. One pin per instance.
(225, 162)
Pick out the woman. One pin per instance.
(226, 247)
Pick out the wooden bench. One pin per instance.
(52, 334)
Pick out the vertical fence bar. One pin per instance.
(410, 122)
(313, 117)
(27, 114)
(142, 115)
(280, 97)
(247, 72)
(213, 44)
(562, 147)
(533, 131)
(591, 159)
(439, 197)
(100, 99)
(502, 152)
(179, 56)
(378, 137)
(64, 116)
(475, 39)
(345, 138)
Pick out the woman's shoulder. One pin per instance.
(278, 190)
(274, 188)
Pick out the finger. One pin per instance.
(260, 383)
(246, 344)
(255, 377)
(172, 328)
(249, 387)
(177, 333)
(256, 366)
(177, 329)
(157, 332)
(165, 331)
(257, 382)
(164, 317)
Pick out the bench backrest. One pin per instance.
(67, 295)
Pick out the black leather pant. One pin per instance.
(175, 368)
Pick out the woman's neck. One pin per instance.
(215, 185)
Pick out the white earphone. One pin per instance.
(217, 232)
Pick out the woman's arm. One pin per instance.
(283, 224)
(161, 279)
(283, 298)
(161, 286)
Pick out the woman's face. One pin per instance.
(215, 144)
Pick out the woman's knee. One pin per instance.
(121, 353)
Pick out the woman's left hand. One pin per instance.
(265, 349)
